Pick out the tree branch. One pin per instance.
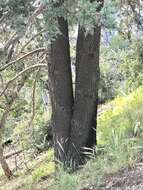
(33, 98)
(13, 154)
(19, 59)
(21, 73)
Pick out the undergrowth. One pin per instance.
(120, 132)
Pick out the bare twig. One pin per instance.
(33, 98)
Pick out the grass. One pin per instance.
(33, 178)
(120, 132)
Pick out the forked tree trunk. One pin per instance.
(74, 122)
(60, 85)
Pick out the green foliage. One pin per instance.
(121, 67)
(19, 10)
(43, 171)
(65, 181)
(118, 145)
(87, 15)
(108, 15)
(42, 137)
(121, 116)
(38, 137)
(110, 80)
(132, 67)
(83, 12)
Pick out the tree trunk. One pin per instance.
(83, 124)
(61, 93)
(4, 164)
(74, 122)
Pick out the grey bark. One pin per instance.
(83, 123)
(74, 121)
(61, 93)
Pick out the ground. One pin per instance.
(126, 179)
(129, 178)
(119, 162)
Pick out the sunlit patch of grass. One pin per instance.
(64, 180)
(40, 169)
(45, 157)
(123, 115)
(43, 171)
(118, 146)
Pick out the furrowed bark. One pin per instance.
(74, 122)
(83, 124)
(61, 92)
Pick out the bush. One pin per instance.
(121, 71)
(132, 67)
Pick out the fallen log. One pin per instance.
(13, 154)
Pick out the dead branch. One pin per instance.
(33, 98)
(21, 73)
(21, 58)
(13, 154)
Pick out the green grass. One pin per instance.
(43, 166)
(120, 132)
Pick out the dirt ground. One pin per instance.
(128, 179)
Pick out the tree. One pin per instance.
(74, 115)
